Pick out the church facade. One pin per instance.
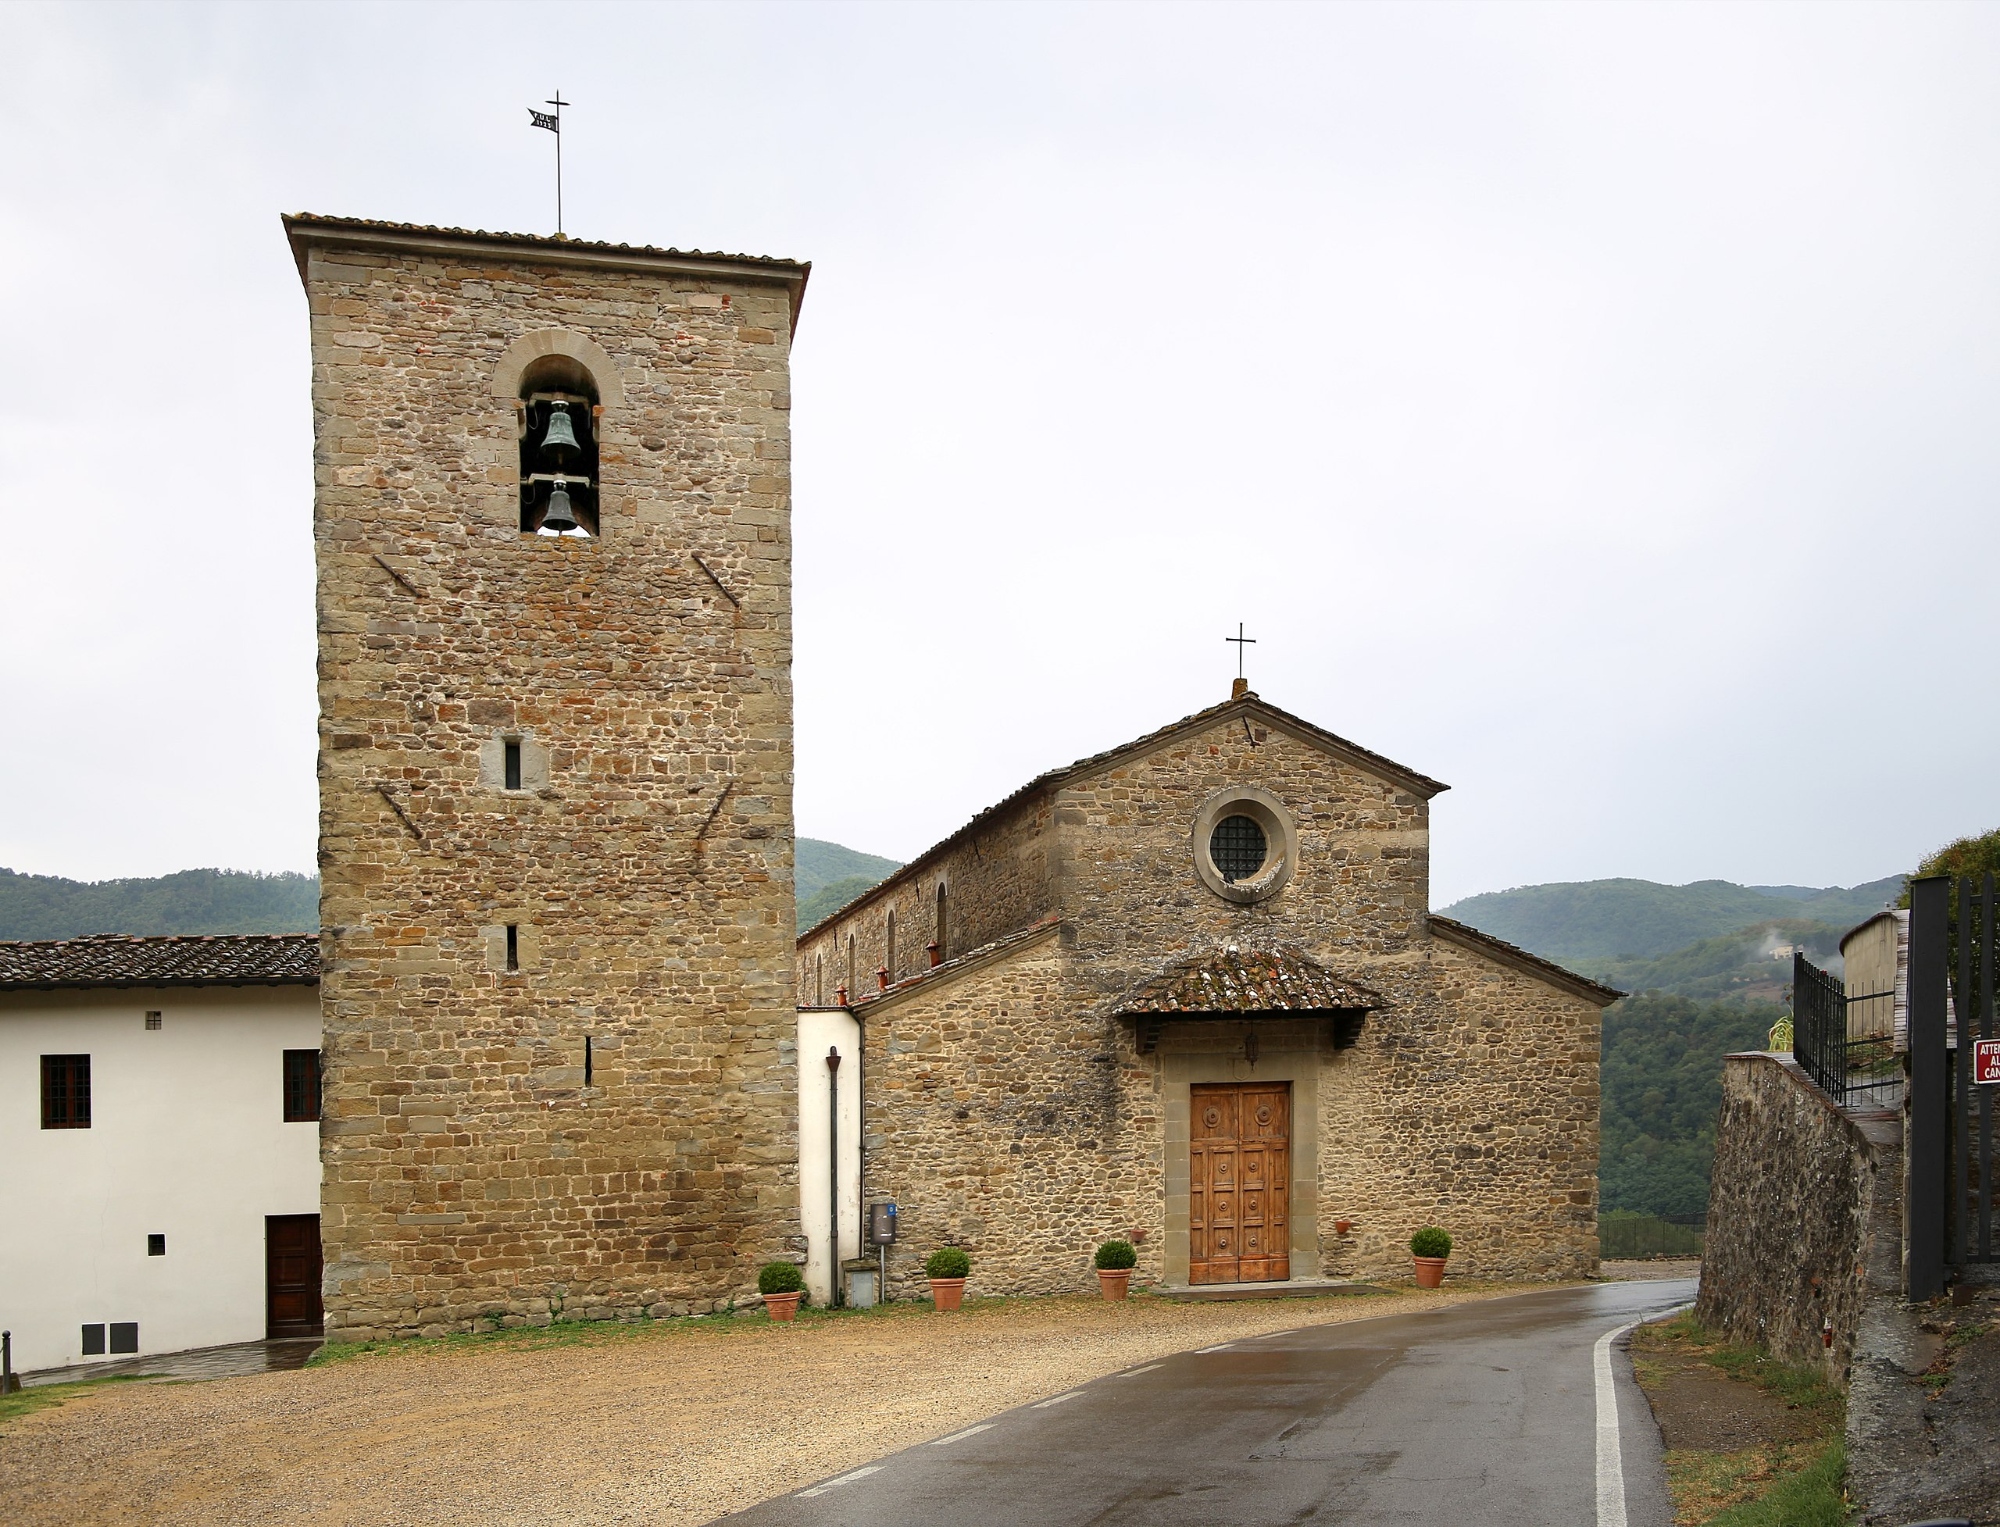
(574, 1061)
(1189, 993)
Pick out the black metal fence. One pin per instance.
(1949, 1139)
(1627, 1236)
(1969, 1222)
(1857, 1070)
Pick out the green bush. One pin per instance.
(1430, 1242)
(1114, 1256)
(780, 1278)
(947, 1262)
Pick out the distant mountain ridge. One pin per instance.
(192, 901)
(240, 901)
(1629, 920)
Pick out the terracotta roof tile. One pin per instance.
(1236, 980)
(219, 959)
(319, 223)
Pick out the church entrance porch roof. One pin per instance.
(1233, 980)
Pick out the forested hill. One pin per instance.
(234, 901)
(1711, 966)
(193, 901)
(1641, 920)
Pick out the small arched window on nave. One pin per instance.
(559, 419)
(943, 950)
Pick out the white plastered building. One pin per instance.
(159, 1144)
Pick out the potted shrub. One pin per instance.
(1115, 1261)
(1428, 1248)
(783, 1286)
(947, 1268)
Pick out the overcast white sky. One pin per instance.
(1590, 406)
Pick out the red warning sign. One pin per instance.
(1986, 1060)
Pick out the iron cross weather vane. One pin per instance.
(1241, 641)
(552, 120)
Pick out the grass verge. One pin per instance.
(25, 1402)
(589, 1333)
(1790, 1478)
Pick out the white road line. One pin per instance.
(1045, 1404)
(1610, 1457)
(970, 1431)
(1222, 1346)
(1132, 1373)
(845, 1479)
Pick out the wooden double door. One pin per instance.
(1240, 1182)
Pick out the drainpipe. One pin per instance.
(861, 1141)
(833, 1150)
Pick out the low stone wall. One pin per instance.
(1800, 1197)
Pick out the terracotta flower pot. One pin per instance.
(1114, 1282)
(782, 1306)
(1342, 1226)
(1430, 1271)
(947, 1293)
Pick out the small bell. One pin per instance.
(560, 519)
(559, 439)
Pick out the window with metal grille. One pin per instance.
(65, 1092)
(1237, 846)
(301, 1086)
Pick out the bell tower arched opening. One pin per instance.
(559, 423)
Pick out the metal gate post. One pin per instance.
(1925, 1151)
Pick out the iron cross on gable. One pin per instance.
(1241, 641)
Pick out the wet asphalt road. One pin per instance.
(1480, 1415)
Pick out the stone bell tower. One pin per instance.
(552, 525)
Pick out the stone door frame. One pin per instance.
(1190, 1056)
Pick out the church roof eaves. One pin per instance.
(972, 959)
(1305, 731)
(363, 232)
(1467, 937)
(121, 960)
(1276, 980)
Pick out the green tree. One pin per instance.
(1662, 1090)
(1974, 857)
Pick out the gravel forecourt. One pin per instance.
(670, 1422)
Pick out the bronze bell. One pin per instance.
(559, 439)
(560, 518)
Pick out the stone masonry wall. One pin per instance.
(1790, 1203)
(996, 882)
(1471, 1103)
(1002, 1119)
(470, 1175)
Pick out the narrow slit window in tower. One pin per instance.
(513, 946)
(513, 763)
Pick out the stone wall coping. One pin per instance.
(1869, 1125)
(306, 230)
(1470, 939)
(1247, 705)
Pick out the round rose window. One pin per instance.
(1238, 848)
